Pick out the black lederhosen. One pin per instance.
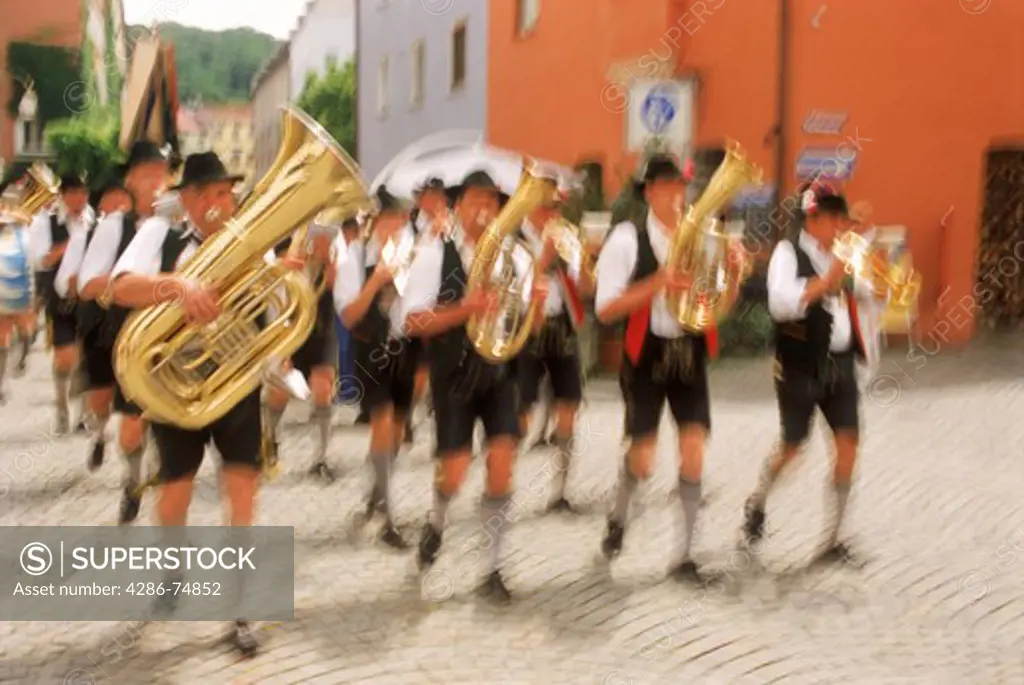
(673, 370)
(99, 328)
(808, 374)
(236, 435)
(60, 313)
(553, 351)
(321, 347)
(385, 364)
(465, 387)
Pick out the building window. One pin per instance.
(419, 72)
(383, 85)
(458, 57)
(527, 12)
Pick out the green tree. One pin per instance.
(331, 99)
(86, 144)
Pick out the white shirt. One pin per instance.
(351, 277)
(617, 262)
(423, 288)
(40, 242)
(99, 258)
(555, 302)
(71, 262)
(786, 289)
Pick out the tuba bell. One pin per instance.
(190, 375)
(41, 187)
(500, 335)
(896, 278)
(707, 252)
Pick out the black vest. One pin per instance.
(46, 279)
(802, 347)
(91, 315)
(646, 266)
(450, 349)
(374, 327)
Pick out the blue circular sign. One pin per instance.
(659, 108)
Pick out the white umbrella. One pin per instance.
(451, 156)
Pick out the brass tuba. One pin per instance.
(500, 335)
(41, 187)
(708, 254)
(189, 375)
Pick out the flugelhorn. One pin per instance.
(714, 259)
(901, 282)
(189, 375)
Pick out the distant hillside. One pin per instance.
(216, 66)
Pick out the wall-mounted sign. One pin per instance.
(825, 123)
(661, 111)
(753, 196)
(826, 163)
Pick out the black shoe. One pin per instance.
(96, 455)
(364, 417)
(561, 505)
(494, 588)
(80, 427)
(753, 521)
(130, 504)
(430, 545)
(839, 553)
(409, 435)
(687, 572)
(243, 640)
(611, 546)
(323, 471)
(390, 536)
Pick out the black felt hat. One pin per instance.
(818, 199)
(386, 202)
(204, 168)
(476, 179)
(433, 183)
(144, 152)
(71, 182)
(659, 168)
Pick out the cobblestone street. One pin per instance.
(936, 512)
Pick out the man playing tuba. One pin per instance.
(662, 361)
(465, 386)
(144, 276)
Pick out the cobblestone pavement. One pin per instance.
(936, 512)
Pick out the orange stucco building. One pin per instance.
(926, 90)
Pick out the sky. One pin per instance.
(276, 17)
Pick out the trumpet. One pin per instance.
(568, 241)
(898, 279)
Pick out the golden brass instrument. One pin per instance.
(500, 335)
(900, 281)
(190, 375)
(41, 188)
(710, 256)
(570, 245)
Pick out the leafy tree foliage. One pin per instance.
(331, 100)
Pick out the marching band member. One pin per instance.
(554, 349)
(110, 198)
(662, 362)
(49, 236)
(143, 277)
(465, 386)
(16, 279)
(817, 342)
(146, 176)
(871, 313)
(317, 359)
(369, 305)
(427, 221)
